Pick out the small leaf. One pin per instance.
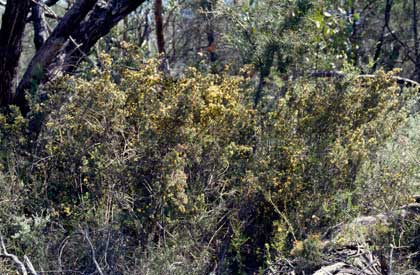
(342, 11)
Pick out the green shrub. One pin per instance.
(184, 175)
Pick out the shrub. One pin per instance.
(184, 175)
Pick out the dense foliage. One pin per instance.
(179, 173)
(258, 142)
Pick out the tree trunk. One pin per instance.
(40, 25)
(36, 71)
(102, 19)
(159, 27)
(381, 40)
(62, 51)
(416, 40)
(211, 46)
(11, 33)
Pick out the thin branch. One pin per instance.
(78, 48)
(381, 40)
(36, 71)
(13, 257)
(339, 75)
(2, 4)
(29, 265)
(48, 11)
(98, 268)
(405, 46)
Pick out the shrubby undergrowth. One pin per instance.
(165, 175)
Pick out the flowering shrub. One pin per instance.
(187, 168)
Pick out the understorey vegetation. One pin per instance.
(291, 147)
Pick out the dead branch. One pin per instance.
(340, 75)
(13, 257)
(98, 268)
(29, 265)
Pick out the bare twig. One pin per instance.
(60, 253)
(98, 268)
(339, 75)
(29, 265)
(48, 11)
(390, 259)
(292, 230)
(13, 257)
(84, 55)
(404, 45)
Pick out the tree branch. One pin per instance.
(40, 25)
(37, 69)
(405, 46)
(29, 265)
(339, 75)
(159, 27)
(102, 19)
(13, 257)
(98, 268)
(388, 8)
